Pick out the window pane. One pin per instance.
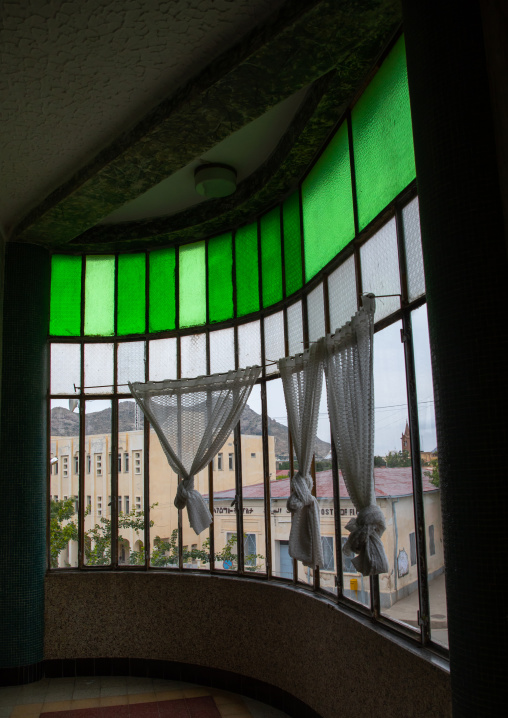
(163, 513)
(162, 290)
(316, 313)
(295, 329)
(325, 496)
(249, 344)
(253, 489)
(193, 353)
(380, 269)
(342, 294)
(222, 351)
(64, 482)
(162, 359)
(247, 278)
(192, 284)
(224, 512)
(383, 137)
(131, 294)
(65, 296)
(98, 368)
(65, 368)
(327, 199)
(274, 340)
(430, 470)
(100, 295)
(131, 363)
(271, 257)
(413, 244)
(393, 477)
(98, 492)
(131, 520)
(220, 277)
(292, 243)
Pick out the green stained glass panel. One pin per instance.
(271, 257)
(220, 278)
(100, 295)
(327, 203)
(247, 278)
(292, 243)
(162, 298)
(65, 317)
(383, 137)
(131, 294)
(192, 284)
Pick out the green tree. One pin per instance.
(379, 461)
(397, 459)
(61, 528)
(434, 474)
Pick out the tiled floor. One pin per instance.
(66, 695)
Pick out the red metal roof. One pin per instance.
(388, 483)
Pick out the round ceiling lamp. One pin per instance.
(215, 180)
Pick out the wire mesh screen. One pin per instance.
(380, 269)
(193, 355)
(274, 340)
(249, 344)
(295, 328)
(65, 368)
(131, 362)
(98, 368)
(316, 313)
(222, 350)
(413, 245)
(342, 294)
(162, 359)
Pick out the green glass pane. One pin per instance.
(327, 204)
(271, 257)
(100, 295)
(192, 284)
(131, 294)
(292, 243)
(220, 278)
(247, 278)
(162, 301)
(65, 316)
(383, 137)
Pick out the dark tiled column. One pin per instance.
(23, 462)
(466, 272)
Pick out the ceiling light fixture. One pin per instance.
(215, 180)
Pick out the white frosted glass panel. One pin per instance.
(163, 359)
(413, 244)
(274, 340)
(316, 313)
(193, 355)
(295, 329)
(131, 363)
(249, 344)
(65, 368)
(380, 269)
(342, 294)
(222, 350)
(98, 368)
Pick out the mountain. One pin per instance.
(66, 423)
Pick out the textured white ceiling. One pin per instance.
(75, 75)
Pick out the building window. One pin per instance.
(119, 504)
(138, 503)
(137, 462)
(126, 463)
(109, 463)
(412, 548)
(230, 458)
(347, 558)
(328, 559)
(65, 498)
(432, 542)
(219, 462)
(249, 547)
(55, 498)
(88, 463)
(253, 456)
(98, 464)
(119, 462)
(99, 505)
(76, 463)
(65, 466)
(89, 502)
(127, 504)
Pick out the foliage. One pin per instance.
(379, 461)
(61, 528)
(397, 459)
(434, 474)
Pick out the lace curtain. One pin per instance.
(302, 379)
(348, 365)
(193, 418)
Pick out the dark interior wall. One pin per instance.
(333, 662)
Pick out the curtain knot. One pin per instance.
(365, 540)
(183, 492)
(300, 496)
